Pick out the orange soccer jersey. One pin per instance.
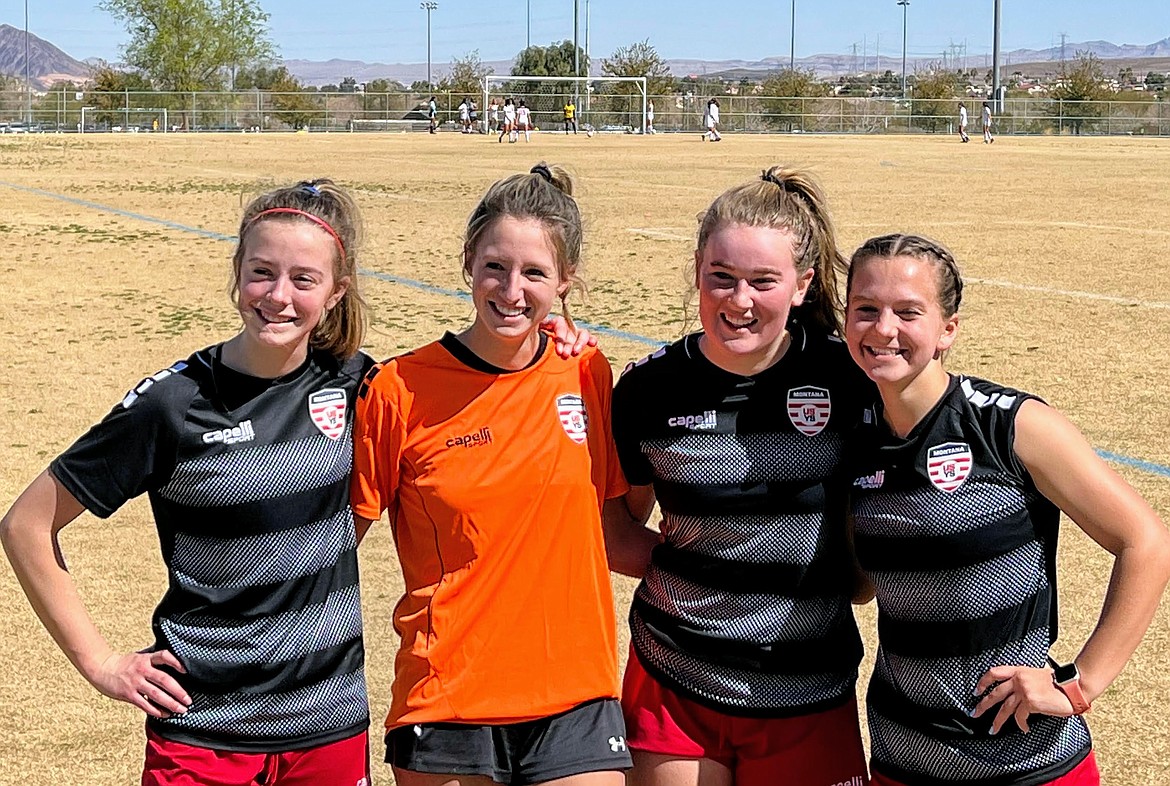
(494, 483)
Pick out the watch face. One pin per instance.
(1065, 673)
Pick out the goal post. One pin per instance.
(604, 102)
(124, 119)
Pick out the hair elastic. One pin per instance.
(768, 177)
(543, 171)
(315, 219)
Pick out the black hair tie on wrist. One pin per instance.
(543, 171)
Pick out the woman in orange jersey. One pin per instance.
(493, 456)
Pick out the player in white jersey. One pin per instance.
(524, 120)
(508, 129)
(985, 121)
(711, 121)
(963, 123)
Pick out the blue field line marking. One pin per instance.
(1145, 466)
(1116, 458)
(124, 213)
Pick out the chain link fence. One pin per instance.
(259, 110)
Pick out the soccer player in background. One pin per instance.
(985, 121)
(570, 113)
(963, 123)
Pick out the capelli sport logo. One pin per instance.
(481, 437)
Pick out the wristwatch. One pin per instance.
(1067, 678)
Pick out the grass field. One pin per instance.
(115, 264)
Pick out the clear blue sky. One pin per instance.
(394, 31)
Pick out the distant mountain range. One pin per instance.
(48, 64)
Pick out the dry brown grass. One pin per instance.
(93, 301)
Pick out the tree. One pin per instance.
(546, 98)
(295, 104)
(188, 45)
(110, 91)
(1078, 94)
(785, 97)
(466, 75)
(637, 59)
(935, 96)
(640, 59)
(551, 60)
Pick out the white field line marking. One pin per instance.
(1074, 293)
(660, 233)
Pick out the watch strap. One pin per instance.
(1069, 683)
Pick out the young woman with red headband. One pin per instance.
(255, 673)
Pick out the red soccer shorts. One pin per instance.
(1084, 774)
(342, 763)
(818, 748)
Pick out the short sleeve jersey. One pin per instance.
(494, 483)
(961, 548)
(746, 605)
(510, 112)
(570, 110)
(985, 117)
(962, 117)
(522, 116)
(248, 481)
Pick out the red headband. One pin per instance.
(315, 219)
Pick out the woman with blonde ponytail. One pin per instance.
(744, 649)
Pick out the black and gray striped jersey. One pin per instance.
(248, 481)
(745, 606)
(961, 548)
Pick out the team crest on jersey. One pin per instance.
(574, 420)
(948, 465)
(809, 409)
(327, 409)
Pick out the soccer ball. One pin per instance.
(589, 132)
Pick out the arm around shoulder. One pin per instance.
(1068, 472)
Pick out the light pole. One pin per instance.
(995, 64)
(528, 20)
(905, 4)
(792, 43)
(429, 6)
(27, 79)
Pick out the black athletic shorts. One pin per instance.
(588, 738)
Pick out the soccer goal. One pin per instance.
(604, 103)
(129, 119)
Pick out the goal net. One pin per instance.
(604, 103)
(124, 119)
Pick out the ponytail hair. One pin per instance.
(793, 201)
(544, 194)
